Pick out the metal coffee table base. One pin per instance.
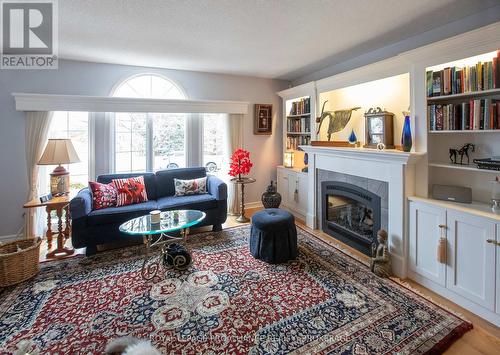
(153, 261)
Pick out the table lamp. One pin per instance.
(289, 159)
(57, 152)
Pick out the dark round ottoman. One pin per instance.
(273, 237)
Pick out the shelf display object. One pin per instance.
(379, 128)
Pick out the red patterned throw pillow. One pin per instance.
(130, 191)
(103, 195)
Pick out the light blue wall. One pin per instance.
(83, 78)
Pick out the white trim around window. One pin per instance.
(91, 130)
(45, 102)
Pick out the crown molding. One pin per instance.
(481, 40)
(307, 89)
(484, 39)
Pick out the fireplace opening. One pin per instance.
(350, 214)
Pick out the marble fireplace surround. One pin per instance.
(361, 165)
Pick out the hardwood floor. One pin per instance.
(483, 339)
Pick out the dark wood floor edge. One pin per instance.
(450, 338)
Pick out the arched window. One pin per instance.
(150, 86)
(149, 141)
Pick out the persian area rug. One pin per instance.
(226, 302)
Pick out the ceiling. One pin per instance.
(267, 38)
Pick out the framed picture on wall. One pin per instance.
(263, 123)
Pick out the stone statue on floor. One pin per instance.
(381, 258)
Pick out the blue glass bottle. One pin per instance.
(406, 140)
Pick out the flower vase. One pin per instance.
(305, 169)
(406, 141)
(352, 137)
(271, 198)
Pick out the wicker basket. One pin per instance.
(18, 266)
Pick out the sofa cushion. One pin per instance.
(149, 181)
(103, 195)
(190, 187)
(193, 202)
(120, 214)
(165, 179)
(130, 191)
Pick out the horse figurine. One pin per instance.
(337, 119)
(461, 152)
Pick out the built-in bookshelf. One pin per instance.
(464, 167)
(462, 79)
(298, 123)
(464, 131)
(463, 106)
(464, 97)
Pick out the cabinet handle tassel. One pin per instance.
(441, 253)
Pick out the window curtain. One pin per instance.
(233, 141)
(36, 133)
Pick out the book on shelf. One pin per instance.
(436, 84)
(488, 163)
(302, 124)
(455, 80)
(293, 142)
(301, 107)
(429, 82)
(478, 114)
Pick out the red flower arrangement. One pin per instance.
(240, 163)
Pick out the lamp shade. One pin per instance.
(289, 159)
(59, 151)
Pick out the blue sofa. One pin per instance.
(93, 227)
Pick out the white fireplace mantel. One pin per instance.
(392, 166)
(383, 156)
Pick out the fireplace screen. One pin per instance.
(352, 215)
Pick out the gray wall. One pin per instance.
(356, 57)
(83, 78)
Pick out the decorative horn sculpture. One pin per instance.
(337, 119)
(322, 116)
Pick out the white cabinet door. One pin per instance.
(293, 184)
(424, 240)
(282, 185)
(303, 184)
(497, 269)
(471, 259)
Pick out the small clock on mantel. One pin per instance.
(379, 128)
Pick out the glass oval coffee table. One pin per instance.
(173, 249)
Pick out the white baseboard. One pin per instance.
(7, 238)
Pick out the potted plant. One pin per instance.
(240, 163)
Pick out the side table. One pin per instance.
(58, 204)
(242, 181)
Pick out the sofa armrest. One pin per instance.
(216, 187)
(81, 205)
